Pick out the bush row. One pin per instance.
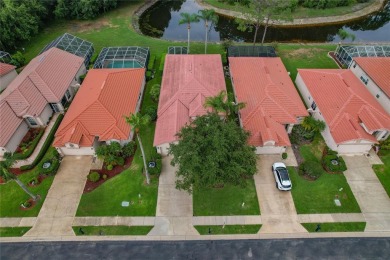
(31, 148)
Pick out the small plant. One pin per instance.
(94, 176)
(110, 167)
(129, 149)
(311, 169)
(151, 112)
(26, 204)
(284, 156)
(155, 92)
(105, 176)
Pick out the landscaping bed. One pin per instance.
(28, 143)
(228, 229)
(90, 185)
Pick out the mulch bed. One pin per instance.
(332, 54)
(32, 203)
(90, 186)
(40, 178)
(29, 137)
(17, 171)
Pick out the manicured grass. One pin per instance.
(228, 229)
(11, 195)
(13, 231)
(226, 201)
(300, 12)
(318, 196)
(383, 171)
(112, 230)
(336, 227)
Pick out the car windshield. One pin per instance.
(283, 173)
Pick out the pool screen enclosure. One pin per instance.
(346, 53)
(123, 57)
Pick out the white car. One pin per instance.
(282, 178)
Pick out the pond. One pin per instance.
(162, 21)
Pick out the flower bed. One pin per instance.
(28, 143)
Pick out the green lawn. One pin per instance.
(226, 201)
(383, 171)
(318, 196)
(228, 229)
(112, 230)
(13, 231)
(11, 195)
(300, 12)
(336, 227)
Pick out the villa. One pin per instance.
(7, 74)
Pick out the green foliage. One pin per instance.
(157, 159)
(46, 145)
(94, 176)
(212, 152)
(299, 134)
(155, 92)
(110, 167)
(110, 153)
(284, 156)
(221, 104)
(385, 145)
(151, 112)
(152, 62)
(31, 147)
(82, 9)
(54, 163)
(343, 34)
(162, 62)
(313, 125)
(128, 149)
(323, 4)
(328, 157)
(18, 59)
(105, 176)
(312, 169)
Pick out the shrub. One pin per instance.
(328, 165)
(105, 176)
(284, 156)
(157, 159)
(94, 176)
(161, 68)
(30, 147)
(312, 169)
(385, 145)
(128, 149)
(151, 112)
(18, 59)
(110, 167)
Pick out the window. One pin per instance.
(67, 94)
(377, 95)
(354, 65)
(55, 107)
(313, 106)
(31, 121)
(365, 80)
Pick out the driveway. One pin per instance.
(57, 213)
(369, 193)
(174, 208)
(277, 208)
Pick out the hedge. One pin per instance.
(152, 60)
(161, 68)
(22, 156)
(312, 169)
(49, 140)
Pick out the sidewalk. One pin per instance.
(37, 149)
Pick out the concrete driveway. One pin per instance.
(369, 193)
(174, 208)
(57, 213)
(278, 212)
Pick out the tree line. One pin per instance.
(22, 19)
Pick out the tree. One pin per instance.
(137, 121)
(18, 59)
(222, 103)
(111, 153)
(208, 16)
(212, 152)
(188, 19)
(251, 19)
(6, 174)
(313, 125)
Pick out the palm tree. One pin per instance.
(188, 19)
(136, 121)
(207, 15)
(5, 172)
(222, 103)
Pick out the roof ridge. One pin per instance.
(273, 100)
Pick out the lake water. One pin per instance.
(162, 21)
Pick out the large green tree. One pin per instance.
(209, 17)
(187, 18)
(212, 152)
(137, 121)
(82, 9)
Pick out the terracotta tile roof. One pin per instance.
(378, 68)
(9, 122)
(271, 99)
(187, 81)
(345, 103)
(5, 68)
(101, 103)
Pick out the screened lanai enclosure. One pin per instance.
(74, 45)
(177, 50)
(5, 57)
(346, 53)
(123, 57)
(251, 51)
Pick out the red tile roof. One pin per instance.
(104, 98)
(378, 68)
(187, 81)
(44, 80)
(345, 103)
(5, 68)
(271, 99)
(9, 122)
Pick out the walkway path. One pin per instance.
(174, 208)
(37, 149)
(277, 208)
(377, 5)
(57, 213)
(369, 193)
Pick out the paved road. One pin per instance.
(328, 248)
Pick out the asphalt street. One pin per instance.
(323, 248)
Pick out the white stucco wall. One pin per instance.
(163, 148)
(372, 87)
(352, 147)
(76, 151)
(7, 78)
(16, 138)
(140, 96)
(270, 149)
(43, 118)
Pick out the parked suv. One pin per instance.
(282, 178)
